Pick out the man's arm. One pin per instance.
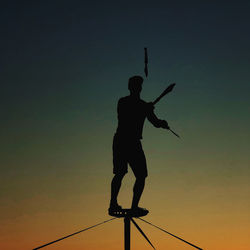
(120, 108)
(153, 118)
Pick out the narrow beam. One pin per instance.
(127, 233)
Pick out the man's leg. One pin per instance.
(138, 189)
(139, 167)
(115, 188)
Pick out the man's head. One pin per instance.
(135, 84)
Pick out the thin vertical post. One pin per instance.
(127, 233)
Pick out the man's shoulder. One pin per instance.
(143, 102)
(124, 99)
(129, 100)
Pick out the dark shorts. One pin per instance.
(128, 152)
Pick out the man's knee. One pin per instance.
(119, 176)
(140, 178)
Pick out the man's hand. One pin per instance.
(164, 124)
(151, 105)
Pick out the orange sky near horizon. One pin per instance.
(211, 216)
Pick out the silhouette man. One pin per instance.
(127, 148)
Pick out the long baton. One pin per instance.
(167, 90)
(174, 133)
(146, 61)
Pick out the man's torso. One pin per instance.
(131, 116)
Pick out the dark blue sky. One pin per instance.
(64, 64)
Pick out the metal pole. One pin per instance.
(127, 233)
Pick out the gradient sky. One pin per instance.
(64, 65)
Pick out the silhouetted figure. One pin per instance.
(127, 148)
